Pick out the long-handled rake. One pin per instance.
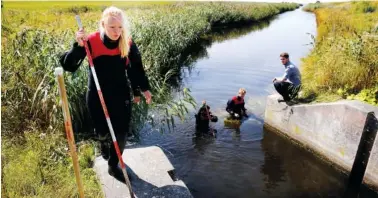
(106, 112)
(68, 125)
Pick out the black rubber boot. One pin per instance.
(105, 150)
(117, 173)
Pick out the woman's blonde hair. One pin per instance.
(242, 91)
(124, 44)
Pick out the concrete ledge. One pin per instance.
(151, 175)
(332, 130)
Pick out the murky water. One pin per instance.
(251, 162)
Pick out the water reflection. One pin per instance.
(272, 167)
(283, 161)
(200, 143)
(308, 176)
(218, 34)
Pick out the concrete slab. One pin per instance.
(150, 175)
(332, 130)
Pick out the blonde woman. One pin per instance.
(114, 54)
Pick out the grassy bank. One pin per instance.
(38, 165)
(344, 61)
(33, 37)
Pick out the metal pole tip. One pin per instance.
(58, 71)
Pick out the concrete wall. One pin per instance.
(332, 130)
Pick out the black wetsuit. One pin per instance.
(111, 72)
(236, 105)
(203, 119)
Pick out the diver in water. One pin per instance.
(235, 106)
(203, 118)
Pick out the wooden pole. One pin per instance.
(68, 125)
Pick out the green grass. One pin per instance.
(33, 37)
(311, 7)
(344, 61)
(38, 165)
(48, 5)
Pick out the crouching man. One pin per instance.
(289, 85)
